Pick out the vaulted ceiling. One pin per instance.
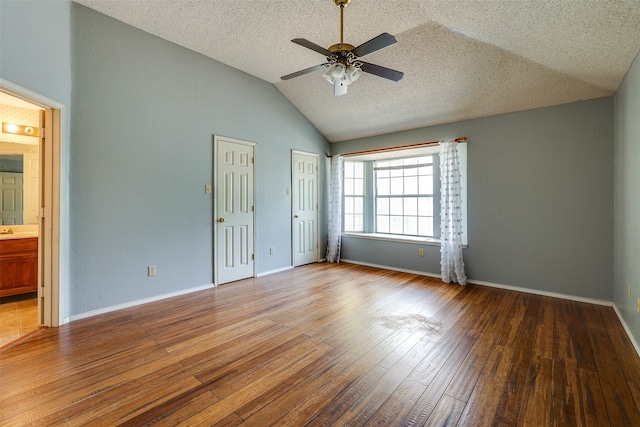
(461, 59)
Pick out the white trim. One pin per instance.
(627, 330)
(277, 270)
(138, 302)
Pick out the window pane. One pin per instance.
(396, 172)
(358, 170)
(425, 183)
(411, 225)
(425, 206)
(382, 205)
(382, 187)
(411, 206)
(425, 226)
(348, 169)
(358, 186)
(358, 205)
(358, 223)
(411, 185)
(425, 170)
(395, 225)
(348, 187)
(348, 222)
(395, 206)
(396, 186)
(382, 224)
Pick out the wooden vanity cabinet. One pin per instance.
(18, 266)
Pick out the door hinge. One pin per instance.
(252, 160)
(41, 212)
(253, 208)
(253, 257)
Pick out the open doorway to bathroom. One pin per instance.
(28, 204)
(19, 222)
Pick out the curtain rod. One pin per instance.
(401, 147)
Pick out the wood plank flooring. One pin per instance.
(329, 344)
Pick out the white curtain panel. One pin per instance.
(335, 210)
(451, 264)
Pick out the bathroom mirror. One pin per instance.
(19, 191)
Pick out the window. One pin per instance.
(353, 188)
(396, 195)
(404, 196)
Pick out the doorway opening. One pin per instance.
(29, 212)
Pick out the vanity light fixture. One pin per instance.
(20, 129)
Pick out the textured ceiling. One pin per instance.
(462, 59)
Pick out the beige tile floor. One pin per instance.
(18, 319)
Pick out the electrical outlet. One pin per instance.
(420, 252)
(151, 270)
(272, 251)
(628, 292)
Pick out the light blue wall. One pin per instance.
(145, 112)
(540, 195)
(627, 197)
(35, 48)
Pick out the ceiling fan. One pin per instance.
(343, 60)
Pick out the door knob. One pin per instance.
(220, 219)
(295, 216)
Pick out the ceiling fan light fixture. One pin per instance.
(335, 72)
(352, 74)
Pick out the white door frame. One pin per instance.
(216, 139)
(50, 239)
(293, 223)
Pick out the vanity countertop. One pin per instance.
(18, 232)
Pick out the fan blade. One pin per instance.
(384, 72)
(376, 43)
(303, 72)
(311, 45)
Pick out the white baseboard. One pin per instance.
(277, 270)
(627, 330)
(137, 302)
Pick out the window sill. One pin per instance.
(395, 238)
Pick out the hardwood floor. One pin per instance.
(329, 344)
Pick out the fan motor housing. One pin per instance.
(341, 3)
(341, 47)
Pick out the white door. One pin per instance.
(305, 207)
(10, 198)
(234, 209)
